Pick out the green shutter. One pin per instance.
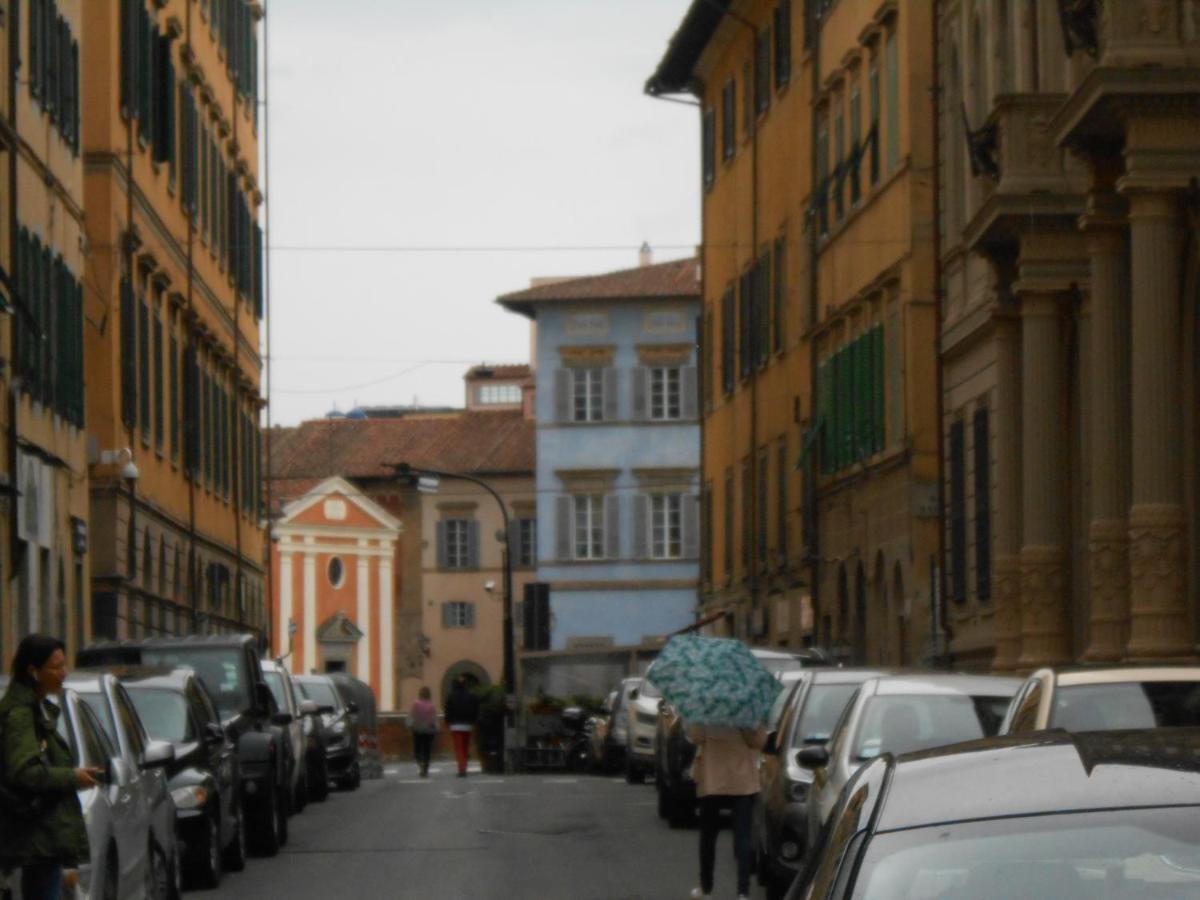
(880, 393)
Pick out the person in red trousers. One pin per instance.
(461, 712)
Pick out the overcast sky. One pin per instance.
(455, 124)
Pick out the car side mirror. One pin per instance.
(214, 733)
(771, 747)
(157, 753)
(815, 757)
(281, 718)
(352, 708)
(309, 708)
(326, 710)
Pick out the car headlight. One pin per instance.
(339, 727)
(191, 797)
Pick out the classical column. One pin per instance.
(1107, 373)
(387, 633)
(1159, 622)
(285, 609)
(310, 609)
(1006, 564)
(362, 663)
(1045, 618)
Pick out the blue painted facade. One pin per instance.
(626, 458)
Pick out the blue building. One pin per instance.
(618, 455)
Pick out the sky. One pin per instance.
(453, 129)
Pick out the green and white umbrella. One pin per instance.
(714, 681)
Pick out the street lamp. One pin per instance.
(427, 483)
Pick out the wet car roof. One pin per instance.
(845, 676)
(972, 685)
(1072, 677)
(1051, 771)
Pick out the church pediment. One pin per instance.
(338, 629)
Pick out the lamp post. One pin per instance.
(427, 483)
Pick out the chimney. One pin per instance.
(644, 255)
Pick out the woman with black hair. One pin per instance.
(41, 823)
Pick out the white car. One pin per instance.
(643, 707)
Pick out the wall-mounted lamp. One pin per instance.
(129, 471)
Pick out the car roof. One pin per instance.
(270, 665)
(846, 676)
(315, 677)
(1049, 772)
(967, 685)
(87, 681)
(154, 677)
(1125, 675)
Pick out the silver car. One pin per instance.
(900, 714)
(284, 692)
(143, 812)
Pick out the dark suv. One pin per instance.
(229, 668)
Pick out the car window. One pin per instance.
(1104, 707)
(130, 723)
(164, 713)
(1114, 855)
(278, 689)
(780, 720)
(220, 668)
(648, 691)
(321, 693)
(97, 748)
(63, 726)
(98, 704)
(209, 711)
(1025, 718)
(822, 709)
(198, 709)
(902, 723)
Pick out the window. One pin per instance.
(958, 514)
(666, 526)
(144, 397)
(855, 160)
(728, 523)
(839, 159)
(822, 198)
(783, 43)
(708, 141)
(173, 393)
(747, 518)
(779, 295)
(664, 393)
(589, 526)
(983, 488)
(781, 512)
(336, 572)
(526, 542)
(498, 394)
(728, 119)
(54, 69)
(588, 394)
(706, 532)
(455, 543)
(728, 340)
(458, 614)
(850, 390)
(746, 323)
(763, 532)
(892, 65)
(762, 71)
(159, 436)
(873, 137)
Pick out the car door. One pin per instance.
(220, 754)
(141, 783)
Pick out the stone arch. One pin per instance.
(476, 674)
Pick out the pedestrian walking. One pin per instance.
(462, 711)
(41, 823)
(422, 718)
(726, 775)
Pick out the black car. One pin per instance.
(203, 777)
(315, 763)
(229, 667)
(339, 728)
(811, 708)
(1053, 815)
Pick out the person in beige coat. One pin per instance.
(726, 775)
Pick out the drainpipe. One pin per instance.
(239, 587)
(189, 424)
(812, 467)
(14, 497)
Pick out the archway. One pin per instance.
(476, 676)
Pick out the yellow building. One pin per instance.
(819, 326)
(44, 508)
(174, 302)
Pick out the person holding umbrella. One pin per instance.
(723, 694)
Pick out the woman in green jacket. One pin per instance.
(41, 823)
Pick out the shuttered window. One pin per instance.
(458, 614)
(779, 296)
(957, 523)
(708, 146)
(191, 412)
(762, 71)
(781, 501)
(159, 418)
(981, 451)
(143, 343)
(747, 495)
(129, 401)
(173, 394)
(53, 72)
(588, 524)
(873, 134)
(727, 555)
(728, 119)
(852, 398)
(891, 62)
(763, 517)
(728, 340)
(783, 43)
(746, 323)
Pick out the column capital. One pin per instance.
(1041, 302)
(1151, 202)
(1107, 217)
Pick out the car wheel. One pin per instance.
(208, 863)
(355, 776)
(633, 774)
(282, 811)
(158, 875)
(777, 888)
(267, 839)
(320, 780)
(301, 800)
(235, 854)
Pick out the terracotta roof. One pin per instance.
(675, 72)
(483, 370)
(678, 279)
(473, 442)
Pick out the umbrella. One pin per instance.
(714, 681)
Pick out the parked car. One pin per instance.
(900, 714)
(618, 726)
(148, 849)
(1065, 816)
(315, 740)
(641, 722)
(341, 741)
(203, 777)
(229, 667)
(601, 724)
(364, 719)
(674, 753)
(810, 709)
(279, 680)
(1106, 699)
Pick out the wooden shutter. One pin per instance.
(562, 395)
(689, 396)
(611, 382)
(612, 526)
(981, 447)
(443, 554)
(640, 380)
(144, 367)
(173, 393)
(447, 615)
(783, 43)
(128, 355)
(472, 544)
(690, 513)
(880, 392)
(958, 513)
(563, 541)
(158, 384)
(708, 146)
(641, 525)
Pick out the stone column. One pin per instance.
(309, 624)
(1045, 617)
(362, 613)
(1006, 564)
(387, 634)
(1107, 368)
(1159, 621)
(285, 609)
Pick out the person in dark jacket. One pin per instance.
(41, 823)
(461, 712)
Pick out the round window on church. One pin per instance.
(337, 572)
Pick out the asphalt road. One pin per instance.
(526, 837)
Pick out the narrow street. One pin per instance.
(508, 838)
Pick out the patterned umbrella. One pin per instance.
(714, 681)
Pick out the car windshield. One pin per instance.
(100, 707)
(219, 668)
(647, 691)
(822, 709)
(778, 664)
(1115, 855)
(902, 723)
(320, 693)
(278, 688)
(1104, 707)
(163, 713)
